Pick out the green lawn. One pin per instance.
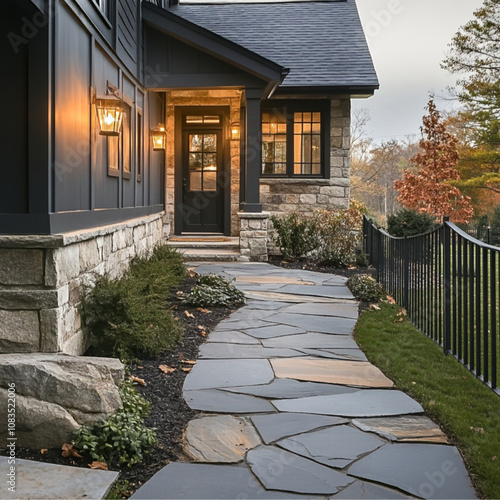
(466, 409)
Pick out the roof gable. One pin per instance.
(321, 42)
(212, 43)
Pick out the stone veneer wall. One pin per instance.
(307, 195)
(41, 279)
(229, 98)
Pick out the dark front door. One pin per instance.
(202, 180)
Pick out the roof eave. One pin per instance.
(213, 44)
(358, 91)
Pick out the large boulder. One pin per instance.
(56, 394)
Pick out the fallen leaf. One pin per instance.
(188, 314)
(494, 459)
(390, 300)
(139, 367)
(98, 465)
(166, 369)
(188, 362)
(203, 333)
(414, 383)
(374, 307)
(44, 451)
(201, 327)
(69, 451)
(400, 320)
(140, 381)
(180, 293)
(478, 430)
(432, 403)
(201, 309)
(402, 312)
(352, 267)
(186, 368)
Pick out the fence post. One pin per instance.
(406, 271)
(380, 257)
(447, 285)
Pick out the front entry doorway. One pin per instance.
(202, 170)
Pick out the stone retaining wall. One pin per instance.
(41, 279)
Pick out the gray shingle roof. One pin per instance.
(321, 42)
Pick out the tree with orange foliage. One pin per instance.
(428, 190)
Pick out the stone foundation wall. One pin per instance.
(307, 195)
(41, 279)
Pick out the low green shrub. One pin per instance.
(365, 288)
(295, 235)
(214, 291)
(338, 237)
(127, 317)
(122, 439)
(407, 222)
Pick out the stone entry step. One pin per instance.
(207, 248)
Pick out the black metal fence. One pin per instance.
(448, 282)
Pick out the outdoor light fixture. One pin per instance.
(235, 131)
(110, 111)
(158, 135)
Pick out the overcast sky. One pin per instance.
(408, 39)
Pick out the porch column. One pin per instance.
(253, 152)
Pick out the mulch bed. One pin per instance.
(169, 412)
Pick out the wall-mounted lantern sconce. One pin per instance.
(158, 135)
(110, 111)
(235, 131)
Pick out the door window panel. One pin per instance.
(202, 162)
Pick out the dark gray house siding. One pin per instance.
(55, 167)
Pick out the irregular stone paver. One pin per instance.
(333, 292)
(338, 326)
(279, 470)
(288, 388)
(360, 490)
(285, 297)
(231, 337)
(372, 403)
(312, 340)
(267, 305)
(331, 371)
(249, 315)
(239, 351)
(220, 438)
(280, 425)
(407, 428)
(429, 471)
(241, 324)
(282, 280)
(219, 401)
(346, 354)
(206, 481)
(208, 373)
(335, 446)
(40, 480)
(318, 309)
(268, 332)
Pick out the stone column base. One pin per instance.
(253, 236)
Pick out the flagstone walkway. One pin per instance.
(291, 408)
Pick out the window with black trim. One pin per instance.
(295, 139)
